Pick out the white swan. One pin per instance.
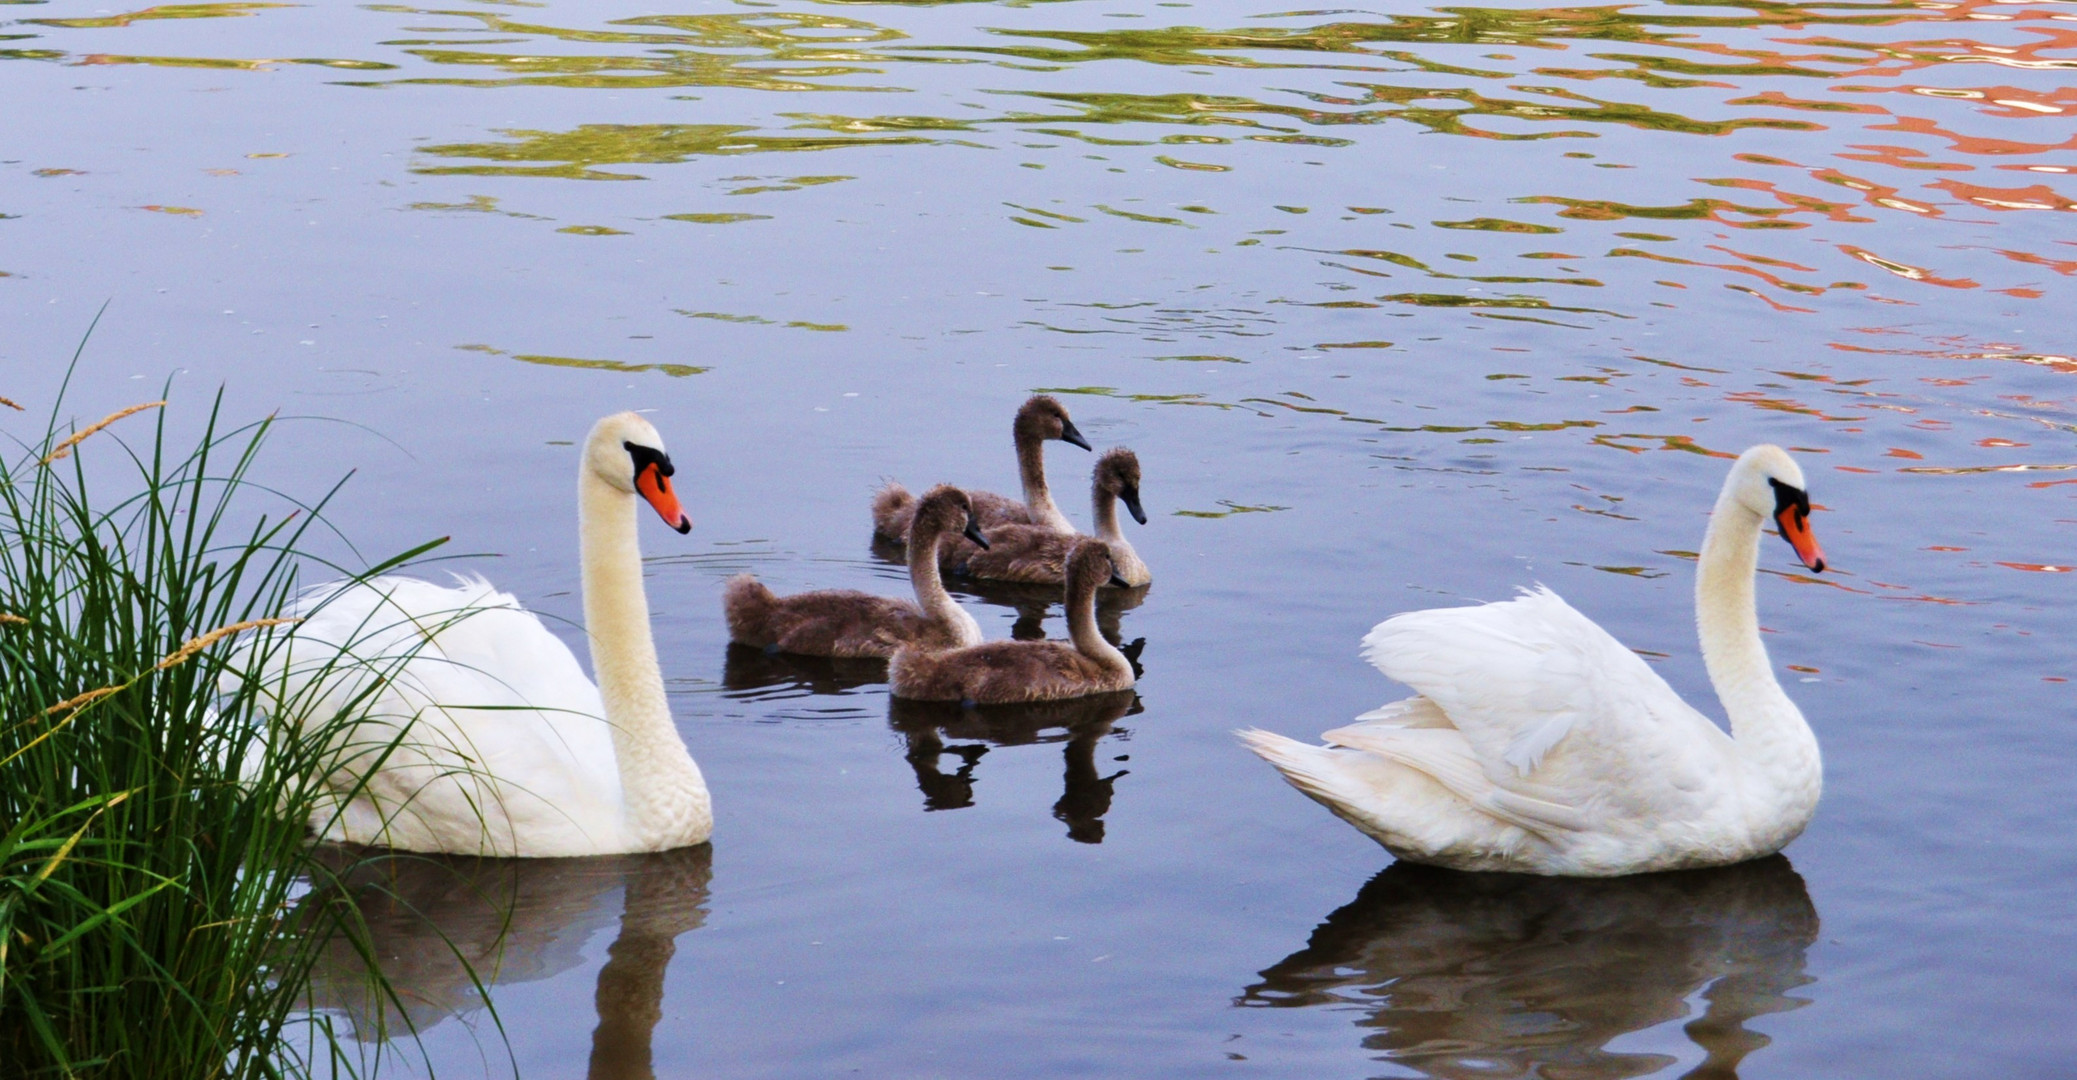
(1539, 744)
(482, 736)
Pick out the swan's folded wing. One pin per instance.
(1413, 712)
(482, 680)
(1445, 756)
(1522, 677)
(475, 646)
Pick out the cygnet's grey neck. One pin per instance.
(1104, 510)
(924, 545)
(1081, 623)
(1031, 473)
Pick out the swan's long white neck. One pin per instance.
(1771, 735)
(924, 548)
(1031, 472)
(666, 799)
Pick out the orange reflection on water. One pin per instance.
(1960, 348)
(1906, 270)
(2034, 197)
(2065, 267)
(1682, 443)
(1772, 279)
(1902, 157)
(1758, 399)
(1968, 144)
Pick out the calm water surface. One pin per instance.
(1400, 306)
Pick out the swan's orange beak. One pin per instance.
(1795, 528)
(656, 487)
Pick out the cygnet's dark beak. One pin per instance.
(1116, 581)
(1131, 497)
(973, 532)
(1069, 434)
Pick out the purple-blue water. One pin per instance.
(1400, 307)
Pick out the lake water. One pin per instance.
(1400, 307)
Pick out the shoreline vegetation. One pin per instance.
(161, 901)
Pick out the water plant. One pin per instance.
(153, 834)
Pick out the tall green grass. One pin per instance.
(153, 837)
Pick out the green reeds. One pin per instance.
(153, 836)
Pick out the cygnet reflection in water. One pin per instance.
(445, 928)
(1484, 975)
(1083, 722)
(749, 672)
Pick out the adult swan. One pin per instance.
(480, 734)
(1539, 744)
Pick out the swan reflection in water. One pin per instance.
(1464, 975)
(1081, 722)
(446, 928)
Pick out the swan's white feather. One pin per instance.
(1517, 677)
(1447, 757)
(1413, 712)
(1403, 807)
(488, 735)
(1543, 745)
(1547, 745)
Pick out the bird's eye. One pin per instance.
(1789, 497)
(645, 456)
